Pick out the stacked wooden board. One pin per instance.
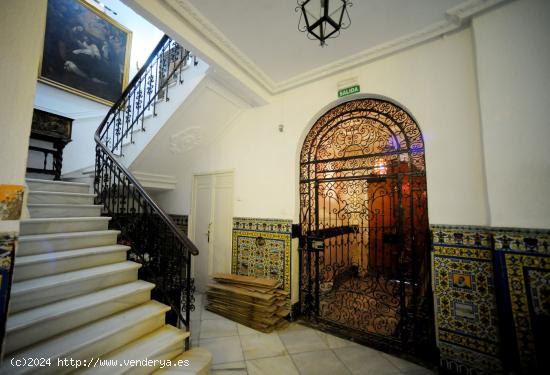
(251, 301)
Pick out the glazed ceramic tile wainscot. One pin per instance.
(465, 304)
(262, 248)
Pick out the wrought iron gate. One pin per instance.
(364, 264)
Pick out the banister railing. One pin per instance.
(156, 242)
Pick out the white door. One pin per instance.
(211, 223)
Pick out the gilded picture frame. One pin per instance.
(85, 51)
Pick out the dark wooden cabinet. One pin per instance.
(54, 129)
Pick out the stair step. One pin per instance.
(163, 344)
(33, 266)
(63, 225)
(47, 243)
(34, 325)
(57, 186)
(199, 360)
(92, 340)
(48, 289)
(64, 210)
(50, 197)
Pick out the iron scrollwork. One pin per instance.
(363, 190)
(156, 242)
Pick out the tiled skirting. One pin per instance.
(523, 262)
(465, 303)
(467, 263)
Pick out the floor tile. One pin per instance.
(208, 315)
(261, 345)
(272, 366)
(231, 368)
(244, 330)
(198, 300)
(224, 349)
(404, 365)
(334, 342)
(195, 328)
(298, 340)
(423, 371)
(319, 363)
(196, 314)
(362, 360)
(218, 328)
(293, 327)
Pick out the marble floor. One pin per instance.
(297, 349)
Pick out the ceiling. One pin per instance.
(262, 35)
(267, 31)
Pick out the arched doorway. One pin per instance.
(363, 210)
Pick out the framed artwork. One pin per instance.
(85, 51)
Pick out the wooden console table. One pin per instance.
(55, 129)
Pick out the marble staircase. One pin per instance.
(75, 296)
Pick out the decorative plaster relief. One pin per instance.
(185, 140)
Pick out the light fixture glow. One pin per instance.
(380, 167)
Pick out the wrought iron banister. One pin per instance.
(155, 240)
(165, 63)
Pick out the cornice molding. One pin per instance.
(213, 35)
(455, 18)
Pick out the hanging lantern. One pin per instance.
(323, 19)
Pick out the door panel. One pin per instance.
(212, 217)
(222, 223)
(202, 213)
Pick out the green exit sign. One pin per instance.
(348, 91)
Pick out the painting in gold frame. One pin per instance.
(85, 52)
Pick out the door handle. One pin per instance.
(208, 234)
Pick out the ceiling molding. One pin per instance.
(211, 33)
(455, 18)
(222, 90)
(463, 12)
(368, 55)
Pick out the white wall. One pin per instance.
(22, 26)
(88, 114)
(435, 82)
(513, 62)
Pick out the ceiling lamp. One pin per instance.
(323, 19)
